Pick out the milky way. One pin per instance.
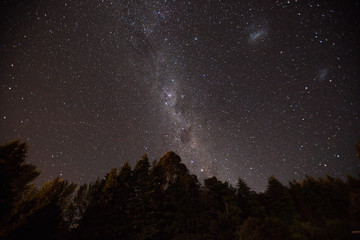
(237, 88)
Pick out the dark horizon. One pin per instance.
(40, 181)
(163, 200)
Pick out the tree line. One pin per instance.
(162, 200)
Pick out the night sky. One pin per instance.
(236, 88)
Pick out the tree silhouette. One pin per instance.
(163, 200)
(279, 202)
(248, 201)
(25, 210)
(45, 220)
(16, 176)
(16, 186)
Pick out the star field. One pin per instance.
(237, 88)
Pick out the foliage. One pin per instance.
(162, 200)
(25, 210)
(15, 176)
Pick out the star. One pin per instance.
(237, 90)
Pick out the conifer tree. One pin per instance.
(16, 176)
(279, 202)
(247, 201)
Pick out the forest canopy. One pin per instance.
(163, 200)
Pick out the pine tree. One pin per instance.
(16, 176)
(220, 200)
(247, 201)
(279, 202)
(17, 189)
